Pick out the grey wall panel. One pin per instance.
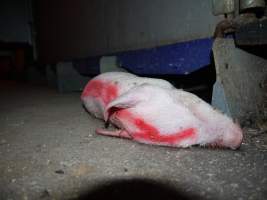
(73, 29)
(137, 24)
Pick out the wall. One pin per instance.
(75, 29)
(15, 16)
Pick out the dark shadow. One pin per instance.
(136, 189)
(258, 50)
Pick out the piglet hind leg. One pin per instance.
(116, 133)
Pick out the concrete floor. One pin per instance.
(48, 150)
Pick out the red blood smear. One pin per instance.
(99, 89)
(148, 132)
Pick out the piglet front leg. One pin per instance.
(116, 133)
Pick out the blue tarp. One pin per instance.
(179, 58)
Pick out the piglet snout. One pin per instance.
(234, 137)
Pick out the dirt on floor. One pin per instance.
(49, 150)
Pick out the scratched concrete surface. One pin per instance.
(48, 150)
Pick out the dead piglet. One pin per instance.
(169, 117)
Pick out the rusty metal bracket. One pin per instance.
(232, 25)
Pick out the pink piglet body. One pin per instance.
(169, 117)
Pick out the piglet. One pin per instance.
(169, 117)
(104, 88)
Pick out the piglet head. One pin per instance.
(223, 132)
(232, 137)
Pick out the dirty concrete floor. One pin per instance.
(48, 150)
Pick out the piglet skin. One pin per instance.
(104, 88)
(169, 117)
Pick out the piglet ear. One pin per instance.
(127, 100)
